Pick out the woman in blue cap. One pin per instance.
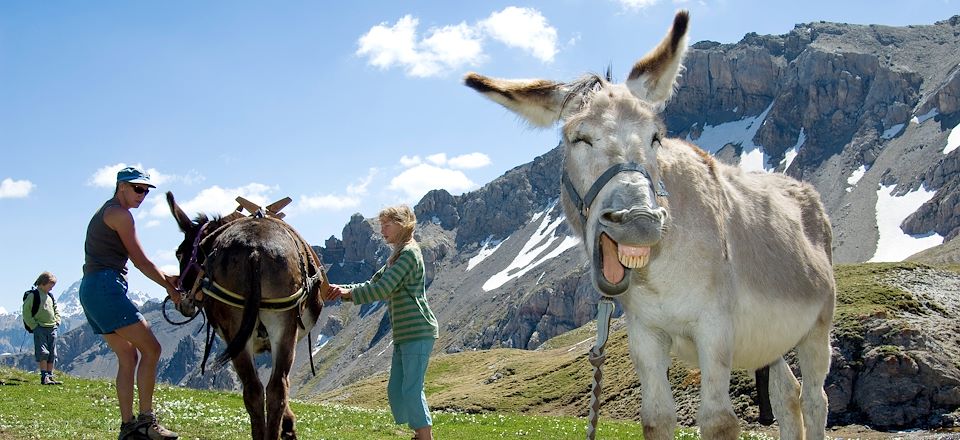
(111, 241)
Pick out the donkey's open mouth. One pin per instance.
(615, 262)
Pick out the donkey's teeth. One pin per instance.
(633, 257)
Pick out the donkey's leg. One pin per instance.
(279, 416)
(785, 400)
(714, 340)
(813, 354)
(650, 352)
(252, 393)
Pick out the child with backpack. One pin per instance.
(41, 317)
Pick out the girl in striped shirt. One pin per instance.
(400, 284)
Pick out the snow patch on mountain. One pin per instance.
(487, 248)
(542, 246)
(855, 177)
(791, 153)
(919, 119)
(739, 132)
(894, 244)
(953, 140)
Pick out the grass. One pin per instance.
(86, 409)
(861, 294)
(501, 393)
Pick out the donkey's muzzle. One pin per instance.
(187, 307)
(640, 225)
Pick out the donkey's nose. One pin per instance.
(615, 217)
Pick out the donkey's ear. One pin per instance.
(653, 78)
(182, 220)
(538, 101)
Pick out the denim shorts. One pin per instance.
(103, 295)
(45, 344)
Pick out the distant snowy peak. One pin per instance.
(69, 301)
(140, 298)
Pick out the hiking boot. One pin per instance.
(128, 431)
(151, 429)
(50, 380)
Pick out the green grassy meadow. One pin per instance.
(483, 394)
(86, 409)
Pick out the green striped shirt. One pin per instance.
(401, 286)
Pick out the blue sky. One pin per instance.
(344, 106)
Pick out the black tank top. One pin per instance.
(103, 248)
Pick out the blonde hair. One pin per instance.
(403, 216)
(44, 278)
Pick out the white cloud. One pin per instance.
(636, 5)
(452, 47)
(192, 177)
(15, 189)
(360, 188)
(443, 49)
(352, 199)
(438, 159)
(523, 28)
(106, 177)
(328, 201)
(417, 180)
(3, 311)
(216, 200)
(407, 161)
(469, 161)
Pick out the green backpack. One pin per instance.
(36, 304)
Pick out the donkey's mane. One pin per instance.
(215, 220)
(583, 88)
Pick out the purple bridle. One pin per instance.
(192, 263)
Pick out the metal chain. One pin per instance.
(597, 356)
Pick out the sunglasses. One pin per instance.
(140, 189)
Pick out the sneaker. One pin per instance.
(151, 429)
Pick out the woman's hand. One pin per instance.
(171, 288)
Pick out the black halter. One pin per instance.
(584, 203)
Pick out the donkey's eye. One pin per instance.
(581, 140)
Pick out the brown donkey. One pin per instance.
(727, 269)
(259, 284)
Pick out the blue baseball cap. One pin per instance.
(134, 175)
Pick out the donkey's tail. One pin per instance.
(251, 312)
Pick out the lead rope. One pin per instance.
(597, 356)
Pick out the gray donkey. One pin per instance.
(728, 269)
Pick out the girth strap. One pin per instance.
(225, 296)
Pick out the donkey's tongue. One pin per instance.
(613, 271)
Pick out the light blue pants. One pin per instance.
(405, 388)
